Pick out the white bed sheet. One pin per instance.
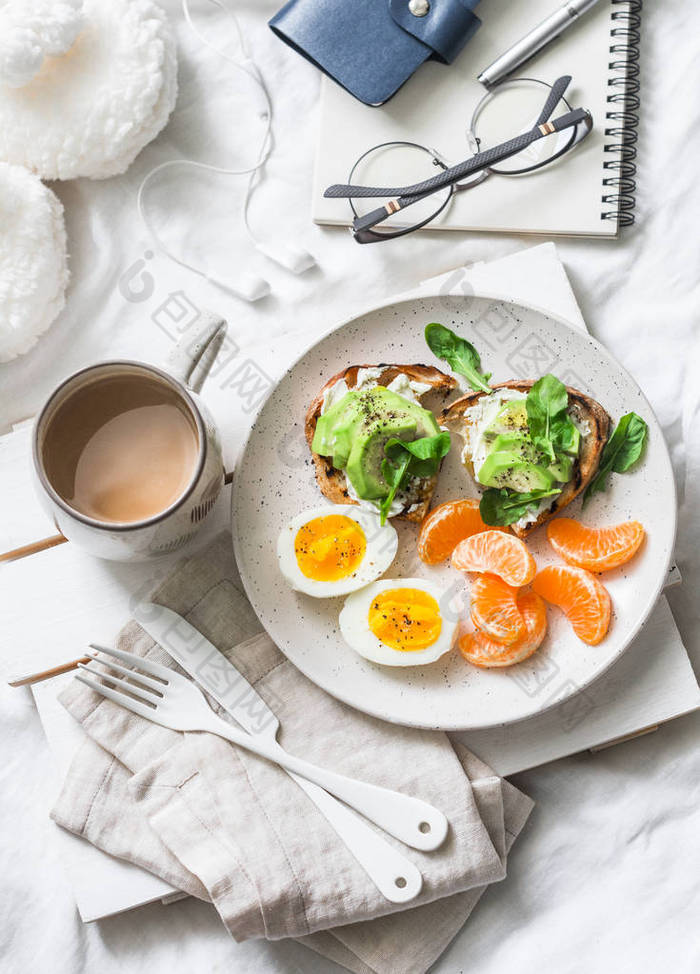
(605, 878)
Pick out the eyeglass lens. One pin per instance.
(510, 109)
(399, 164)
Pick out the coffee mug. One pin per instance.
(127, 458)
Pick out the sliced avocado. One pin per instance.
(562, 469)
(334, 440)
(355, 429)
(511, 418)
(517, 443)
(505, 469)
(383, 414)
(364, 467)
(333, 433)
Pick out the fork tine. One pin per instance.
(121, 698)
(146, 680)
(155, 669)
(137, 690)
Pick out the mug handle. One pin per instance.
(192, 358)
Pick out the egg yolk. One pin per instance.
(330, 548)
(405, 618)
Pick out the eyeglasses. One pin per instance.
(513, 106)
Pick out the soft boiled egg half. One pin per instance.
(335, 549)
(398, 622)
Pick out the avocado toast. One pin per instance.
(506, 458)
(352, 418)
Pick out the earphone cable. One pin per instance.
(248, 67)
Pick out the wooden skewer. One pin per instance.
(33, 548)
(25, 681)
(45, 543)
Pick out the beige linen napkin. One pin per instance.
(232, 828)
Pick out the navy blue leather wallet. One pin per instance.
(371, 47)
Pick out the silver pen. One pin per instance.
(534, 41)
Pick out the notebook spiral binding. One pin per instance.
(622, 118)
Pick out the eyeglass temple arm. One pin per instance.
(553, 98)
(350, 190)
(412, 194)
(481, 160)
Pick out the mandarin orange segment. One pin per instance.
(580, 596)
(597, 549)
(480, 650)
(494, 609)
(500, 554)
(447, 525)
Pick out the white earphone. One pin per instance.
(249, 287)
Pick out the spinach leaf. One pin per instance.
(424, 454)
(622, 450)
(551, 428)
(460, 355)
(418, 458)
(565, 436)
(394, 476)
(500, 507)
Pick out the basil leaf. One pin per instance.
(417, 458)
(622, 451)
(551, 428)
(501, 507)
(460, 355)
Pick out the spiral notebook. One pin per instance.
(589, 192)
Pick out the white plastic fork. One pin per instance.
(173, 701)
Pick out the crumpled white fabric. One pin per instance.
(33, 259)
(92, 110)
(607, 879)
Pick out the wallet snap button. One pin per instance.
(419, 8)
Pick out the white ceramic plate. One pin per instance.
(274, 481)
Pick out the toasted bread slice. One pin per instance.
(332, 482)
(583, 408)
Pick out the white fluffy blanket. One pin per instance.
(30, 30)
(33, 266)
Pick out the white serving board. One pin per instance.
(83, 599)
(102, 884)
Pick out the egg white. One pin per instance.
(382, 545)
(354, 625)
